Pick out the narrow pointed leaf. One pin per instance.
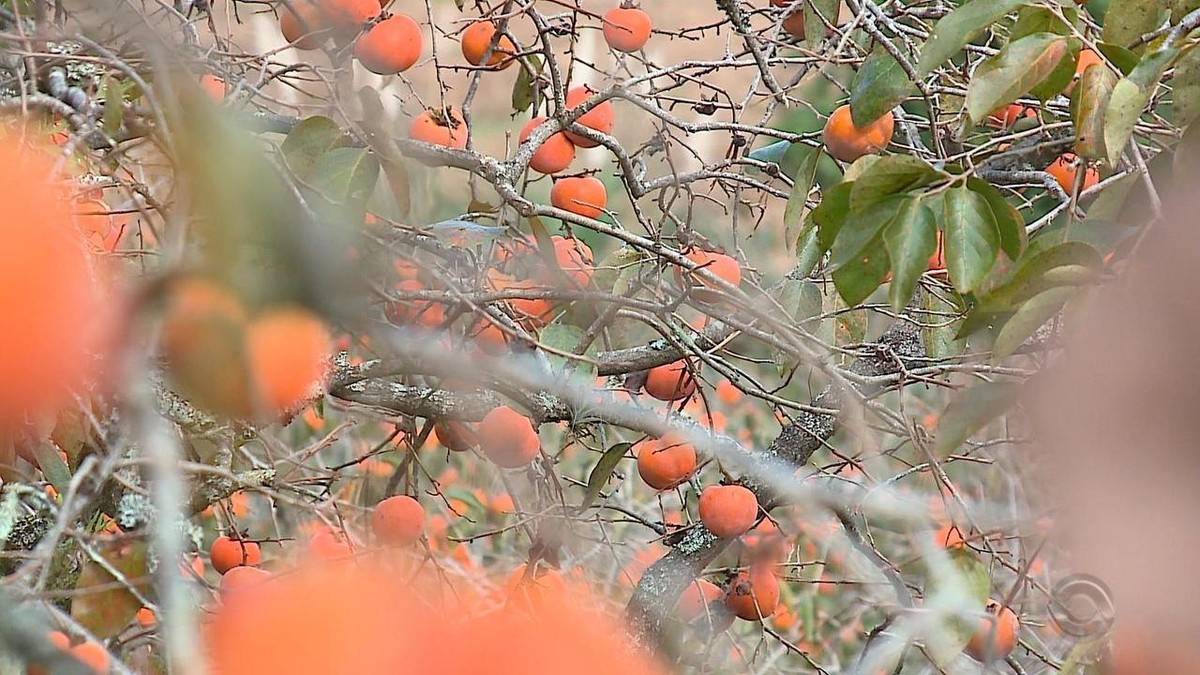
(602, 472)
(797, 204)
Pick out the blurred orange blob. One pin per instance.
(286, 349)
(363, 618)
(52, 307)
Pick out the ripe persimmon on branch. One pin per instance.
(397, 297)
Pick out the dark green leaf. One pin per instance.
(891, 175)
(1031, 316)
(1090, 102)
(1122, 58)
(860, 230)
(308, 141)
(958, 28)
(858, 278)
(1017, 69)
(972, 239)
(525, 89)
(1009, 223)
(830, 214)
(880, 85)
(602, 471)
(1127, 20)
(797, 203)
(910, 239)
(970, 412)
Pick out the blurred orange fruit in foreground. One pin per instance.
(286, 349)
(51, 303)
(363, 618)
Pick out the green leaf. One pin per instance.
(956, 29)
(910, 239)
(889, 176)
(1125, 106)
(860, 230)
(308, 141)
(564, 338)
(1089, 104)
(1014, 72)
(1122, 58)
(972, 239)
(808, 250)
(938, 332)
(1036, 19)
(797, 204)
(101, 604)
(880, 85)
(1030, 317)
(1129, 99)
(970, 412)
(602, 471)
(858, 167)
(525, 89)
(1009, 223)
(1185, 86)
(1127, 20)
(860, 277)
(346, 176)
(1028, 279)
(814, 24)
(830, 214)
(53, 467)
